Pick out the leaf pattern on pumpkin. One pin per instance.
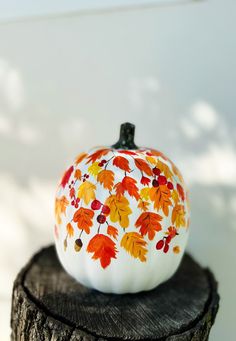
(119, 210)
(178, 216)
(135, 245)
(86, 191)
(60, 207)
(83, 217)
(155, 189)
(149, 224)
(103, 248)
(106, 178)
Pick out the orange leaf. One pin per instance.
(97, 155)
(78, 174)
(70, 230)
(149, 223)
(129, 185)
(143, 205)
(122, 163)
(60, 207)
(178, 216)
(143, 166)
(120, 190)
(181, 192)
(158, 153)
(112, 231)
(104, 249)
(106, 178)
(80, 158)
(161, 197)
(135, 245)
(83, 217)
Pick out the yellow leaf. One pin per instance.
(86, 192)
(177, 172)
(178, 216)
(60, 207)
(119, 210)
(94, 169)
(161, 197)
(106, 178)
(143, 205)
(164, 168)
(175, 196)
(144, 193)
(135, 245)
(151, 159)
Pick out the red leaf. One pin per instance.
(103, 248)
(66, 176)
(122, 163)
(119, 188)
(145, 181)
(127, 152)
(112, 231)
(181, 191)
(143, 166)
(129, 185)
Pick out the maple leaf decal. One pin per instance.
(149, 224)
(103, 248)
(178, 216)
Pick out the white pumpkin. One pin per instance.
(122, 217)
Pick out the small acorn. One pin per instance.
(65, 244)
(78, 245)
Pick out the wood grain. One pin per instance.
(48, 304)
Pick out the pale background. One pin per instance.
(66, 85)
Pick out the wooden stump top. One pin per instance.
(48, 303)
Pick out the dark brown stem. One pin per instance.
(126, 140)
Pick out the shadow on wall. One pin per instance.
(34, 148)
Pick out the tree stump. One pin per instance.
(47, 304)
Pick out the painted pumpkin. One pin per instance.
(122, 217)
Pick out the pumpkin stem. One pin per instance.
(126, 140)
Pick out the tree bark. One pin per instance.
(47, 304)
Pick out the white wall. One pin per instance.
(66, 85)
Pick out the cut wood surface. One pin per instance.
(48, 304)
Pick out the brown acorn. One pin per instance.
(78, 245)
(65, 244)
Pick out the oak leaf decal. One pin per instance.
(135, 245)
(143, 166)
(119, 210)
(60, 207)
(112, 231)
(103, 248)
(149, 224)
(86, 191)
(122, 163)
(106, 178)
(178, 216)
(83, 217)
(97, 155)
(161, 197)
